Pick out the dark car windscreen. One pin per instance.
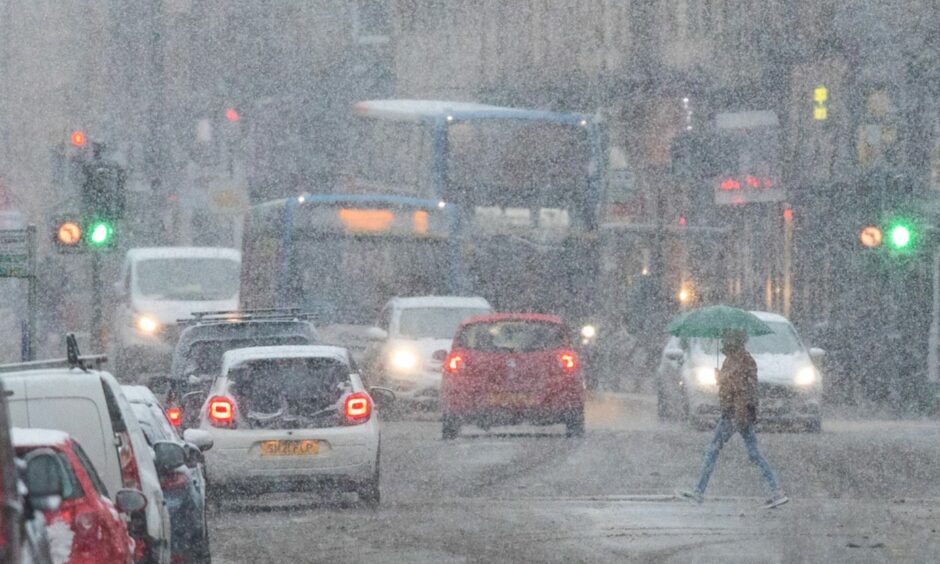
(290, 392)
(205, 357)
(513, 336)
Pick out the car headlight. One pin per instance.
(589, 331)
(403, 360)
(805, 376)
(147, 324)
(706, 376)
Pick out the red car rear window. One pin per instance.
(513, 336)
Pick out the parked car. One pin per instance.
(407, 334)
(23, 536)
(511, 368)
(86, 526)
(790, 385)
(158, 286)
(89, 405)
(197, 358)
(184, 487)
(291, 417)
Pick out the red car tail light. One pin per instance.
(568, 361)
(174, 481)
(221, 411)
(454, 363)
(358, 408)
(175, 415)
(130, 476)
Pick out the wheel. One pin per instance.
(450, 427)
(814, 425)
(369, 494)
(663, 409)
(574, 424)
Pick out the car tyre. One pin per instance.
(450, 427)
(574, 424)
(369, 494)
(814, 426)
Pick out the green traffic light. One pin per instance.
(100, 233)
(900, 236)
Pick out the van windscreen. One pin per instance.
(513, 336)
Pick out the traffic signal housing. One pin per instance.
(74, 234)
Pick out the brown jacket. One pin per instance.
(737, 388)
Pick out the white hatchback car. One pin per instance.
(789, 384)
(409, 332)
(291, 418)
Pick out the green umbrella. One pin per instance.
(714, 321)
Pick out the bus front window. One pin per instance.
(347, 280)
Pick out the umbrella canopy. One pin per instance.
(714, 321)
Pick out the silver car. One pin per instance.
(790, 384)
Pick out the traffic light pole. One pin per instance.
(96, 329)
(31, 296)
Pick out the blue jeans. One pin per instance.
(723, 431)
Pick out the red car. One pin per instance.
(511, 368)
(86, 527)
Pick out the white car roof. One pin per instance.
(138, 394)
(144, 253)
(441, 302)
(769, 316)
(37, 437)
(238, 356)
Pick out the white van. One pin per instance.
(156, 287)
(90, 406)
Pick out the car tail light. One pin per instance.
(454, 363)
(568, 361)
(221, 411)
(175, 415)
(358, 407)
(130, 475)
(140, 549)
(174, 481)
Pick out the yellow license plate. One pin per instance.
(290, 448)
(512, 399)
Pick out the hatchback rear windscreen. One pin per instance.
(513, 336)
(288, 393)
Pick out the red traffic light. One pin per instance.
(78, 138)
(232, 115)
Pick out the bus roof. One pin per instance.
(429, 110)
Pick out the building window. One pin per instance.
(372, 22)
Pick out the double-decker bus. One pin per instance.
(438, 198)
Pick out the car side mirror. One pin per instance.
(129, 501)
(376, 334)
(168, 456)
(43, 479)
(440, 355)
(199, 438)
(382, 397)
(816, 354)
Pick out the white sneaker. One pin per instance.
(691, 497)
(776, 501)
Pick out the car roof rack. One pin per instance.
(269, 314)
(74, 359)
